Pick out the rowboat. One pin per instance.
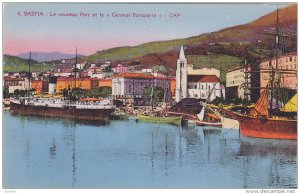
(159, 119)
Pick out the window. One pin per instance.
(195, 86)
(291, 59)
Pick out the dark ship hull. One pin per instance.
(102, 115)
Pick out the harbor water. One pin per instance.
(41, 152)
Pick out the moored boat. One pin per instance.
(263, 127)
(85, 109)
(176, 120)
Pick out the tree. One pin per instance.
(158, 93)
(103, 91)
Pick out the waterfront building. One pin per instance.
(287, 64)
(204, 87)
(105, 82)
(15, 83)
(172, 86)
(196, 83)
(40, 86)
(238, 82)
(134, 84)
(82, 83)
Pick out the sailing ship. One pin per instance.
(67, 107)
(267, 119)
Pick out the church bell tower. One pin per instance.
(181, 77)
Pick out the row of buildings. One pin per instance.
(201, 83)
(248, 82)
(245, 82)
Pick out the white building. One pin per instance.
(16, 84)
(196, 83)
(134, 84)
(204, 86)
(238, 82)
(181, 77)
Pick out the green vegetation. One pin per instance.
(18, 93)
(158, 93)
(16, 64)
(220, 62)
(104, 91)
(125, 53)
(160, 69)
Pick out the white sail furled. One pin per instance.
(201, 114)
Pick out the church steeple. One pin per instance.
(181, 77)
(181, 54)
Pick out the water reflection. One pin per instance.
(273, 156)
(52, 151)
(125, 154)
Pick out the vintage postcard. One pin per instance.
(150, 96)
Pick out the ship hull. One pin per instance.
(169, 120)
(265, 127)
(101, 115)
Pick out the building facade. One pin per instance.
(13, 84)
(105, 82)
(82, 83)
(134, 84)
(196, 83)
(120, 68)
(40, 86)
(205, 87)
(287, 67)
(238, 82)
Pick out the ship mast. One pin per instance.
(277, 35)
(29, 73)
(75, 72)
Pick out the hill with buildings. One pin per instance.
(223, 49)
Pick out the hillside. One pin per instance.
(222, 49)
(229, 42)
(16, 64)
(45, 56)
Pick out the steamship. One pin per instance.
(94, 109)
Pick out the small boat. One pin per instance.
(159, 119)
(210, 124)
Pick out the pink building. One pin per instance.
(120, 68)
(133, 84)
(287, 66)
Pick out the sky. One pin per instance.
(34, 27)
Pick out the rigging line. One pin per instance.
(231, 129)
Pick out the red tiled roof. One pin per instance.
(12, 79)
(139, 76)
(72, 79)
(203, 78)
